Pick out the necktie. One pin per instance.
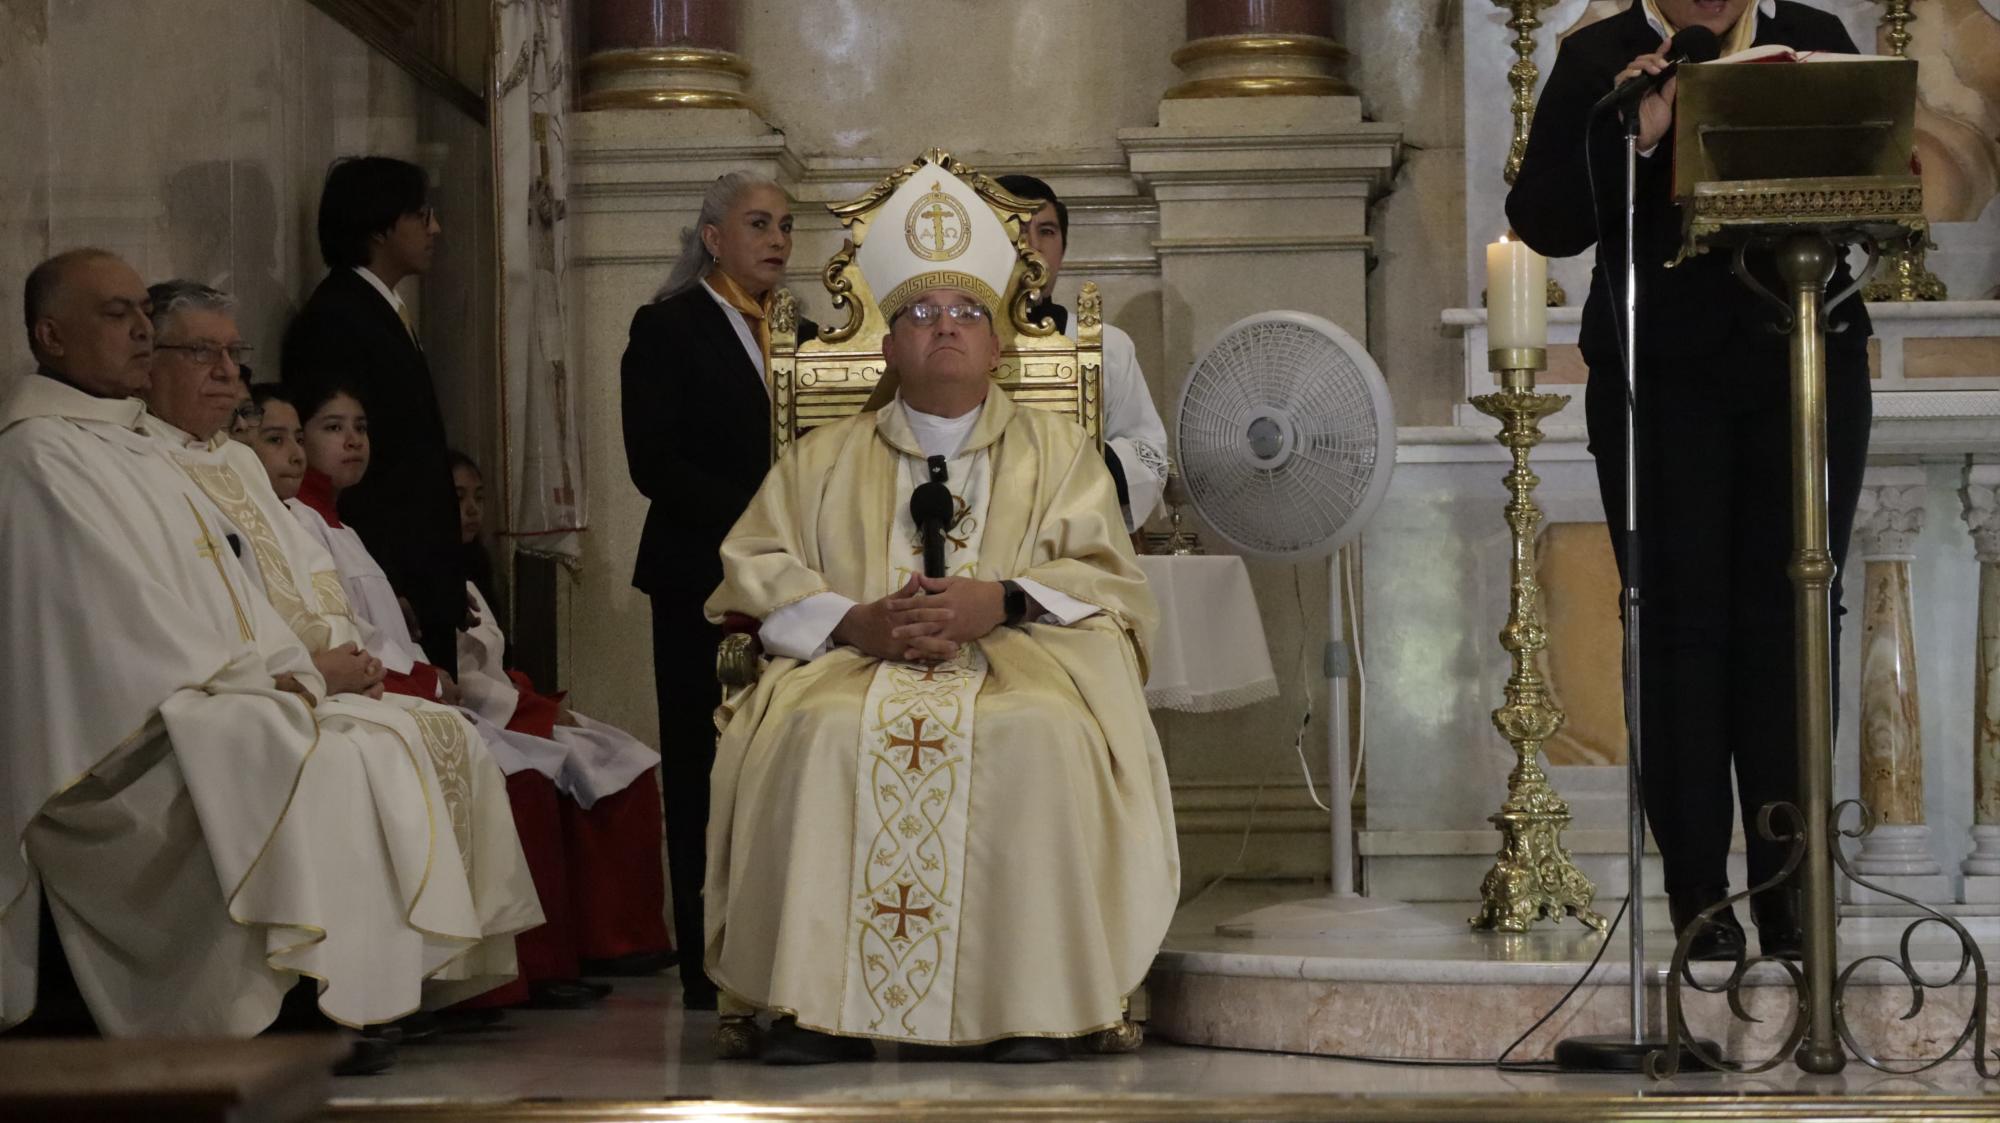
(758, 312)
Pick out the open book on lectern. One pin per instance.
(1761, 147)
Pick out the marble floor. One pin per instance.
(640, 1045)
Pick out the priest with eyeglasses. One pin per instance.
(941, 815)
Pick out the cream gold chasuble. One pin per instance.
(201, 837)
(941, 854)
(300, 580)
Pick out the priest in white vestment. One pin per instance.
(192, 392)
(206, 824)
(1135, 443)
(941, 815)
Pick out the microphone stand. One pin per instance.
(1616, 1052)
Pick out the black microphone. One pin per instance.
(1693, 44)
(930, 509)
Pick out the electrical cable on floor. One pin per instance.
(1257, 796)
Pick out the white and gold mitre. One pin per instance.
(935, 232)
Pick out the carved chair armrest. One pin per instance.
(736, 659)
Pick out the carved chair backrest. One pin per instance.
(836, 373)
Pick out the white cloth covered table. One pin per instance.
(1210, 652)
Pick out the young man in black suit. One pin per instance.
(1715, 481)
(376, 228)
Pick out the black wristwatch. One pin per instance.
(1015, 600)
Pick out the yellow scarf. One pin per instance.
(756, 311)
(1738, 38)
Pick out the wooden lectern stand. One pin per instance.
(1801, 160)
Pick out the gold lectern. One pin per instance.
(1802, 161)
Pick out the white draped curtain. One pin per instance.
(543, 489)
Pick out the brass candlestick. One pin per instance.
(1524, 19)
(1533, 876)
(1903, 274)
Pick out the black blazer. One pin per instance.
(1698, 306)
(405, 508)
(697, 422)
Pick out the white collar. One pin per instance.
(941, 436)
(375, 283)
(1765, 8)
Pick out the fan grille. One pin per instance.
(1293, 374)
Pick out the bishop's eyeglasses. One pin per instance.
(965, 315)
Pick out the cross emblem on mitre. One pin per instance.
(937, 226)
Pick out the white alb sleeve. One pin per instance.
(803, 630)
(1132, 429)
(1057, 608)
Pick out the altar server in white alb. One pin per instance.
(207, 824)
(941, 815)
(1135, 443)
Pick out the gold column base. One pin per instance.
(1533, 876)
(1261, 66)
(669, 78)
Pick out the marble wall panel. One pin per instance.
(896, 76)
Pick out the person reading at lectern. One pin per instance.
(1714, 475)
(941, 815)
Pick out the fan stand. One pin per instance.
(1343, 913)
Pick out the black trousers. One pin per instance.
(1716, 653)
(684, 646)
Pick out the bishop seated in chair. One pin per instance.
(941, 814)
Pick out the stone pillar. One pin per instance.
(1897, 853)
(664, 54)
(1981, 496)
(1244, 48)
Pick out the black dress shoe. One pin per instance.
(1720, 939)
(368, 1056)
(638, 965)
(1026, 1051)
(1776, 914)
(408, 1029)
(601, 990)
(789, 1044)
(471, 1021)
(551, 995)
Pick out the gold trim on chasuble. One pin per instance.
(443, 735)
(332, 594)
(206, 546)
(913, 798)
(224, 488)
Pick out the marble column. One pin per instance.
(1981, 496)
(1249, 48)
(664, 54)
(1897, 853)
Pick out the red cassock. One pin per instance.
(597, 871)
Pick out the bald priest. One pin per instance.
(173, 779)
(941, 815)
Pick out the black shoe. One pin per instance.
(408, 1029)
(471, 1021)
(638, 965)
(551, 995)
(1776, 914)
(368, 1056)
(1026, 1051)
(1720, 939)
(788, 1044)
(698, 997)
(601, 990)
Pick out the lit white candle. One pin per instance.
(1517, 305)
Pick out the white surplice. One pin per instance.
(202, 838)
(1132, 429)
(587, 761)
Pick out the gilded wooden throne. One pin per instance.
(839, 372)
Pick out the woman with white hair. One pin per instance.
(697, 420)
